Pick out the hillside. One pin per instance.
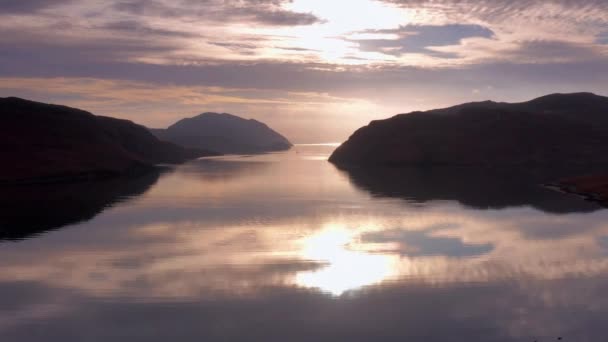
(552, 130)
(224, 133)
(44, 143)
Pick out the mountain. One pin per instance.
(552, 130)
(44, 143)
(224, 133)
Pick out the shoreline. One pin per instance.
(590, 188)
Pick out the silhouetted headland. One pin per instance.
(556, 129)
(224, 133)
(47, 143)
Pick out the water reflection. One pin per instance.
(345, 268)
(282, 247)
(32, 209)
(417, 244)
(485, 188)
(224, 169)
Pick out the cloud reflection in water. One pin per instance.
(286, 238)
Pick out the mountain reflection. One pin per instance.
(344, 268)
(482, 188)
(32, 209)
(222, 169)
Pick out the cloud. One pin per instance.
(416, 244)
(146, 7)
(283, 18)
(542, 51)
(421, 39)
(602, 38)
(516, 25)
(137, 28)
(267, 12)
(65, 47)
(476, 51)
(499, 10)
(241, 48)
(28, 6)
(443, 33)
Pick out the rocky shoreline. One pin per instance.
(592, 188)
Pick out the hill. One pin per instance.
(45, 143)
(224, 133)
(556, 129)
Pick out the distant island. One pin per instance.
(224, 133)
(551, 131)
(47, 143)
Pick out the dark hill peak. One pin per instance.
(225, 133)
(547, 103)
(215, 115)
(216, 119)
(581, 96)
(466, 106)
(563, 102)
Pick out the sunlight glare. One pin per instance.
(352, 15)
(346, 269)
(328, 39)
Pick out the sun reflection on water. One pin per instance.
(346, 267)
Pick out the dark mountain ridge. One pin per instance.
(224, 133)
(554, 129)
(44, 143)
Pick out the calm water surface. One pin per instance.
(286, 247)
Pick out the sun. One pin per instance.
(328, 40)
(344, 16)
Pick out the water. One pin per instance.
(286, 247)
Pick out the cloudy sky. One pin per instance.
(313, 69)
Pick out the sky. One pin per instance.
(315, 70)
